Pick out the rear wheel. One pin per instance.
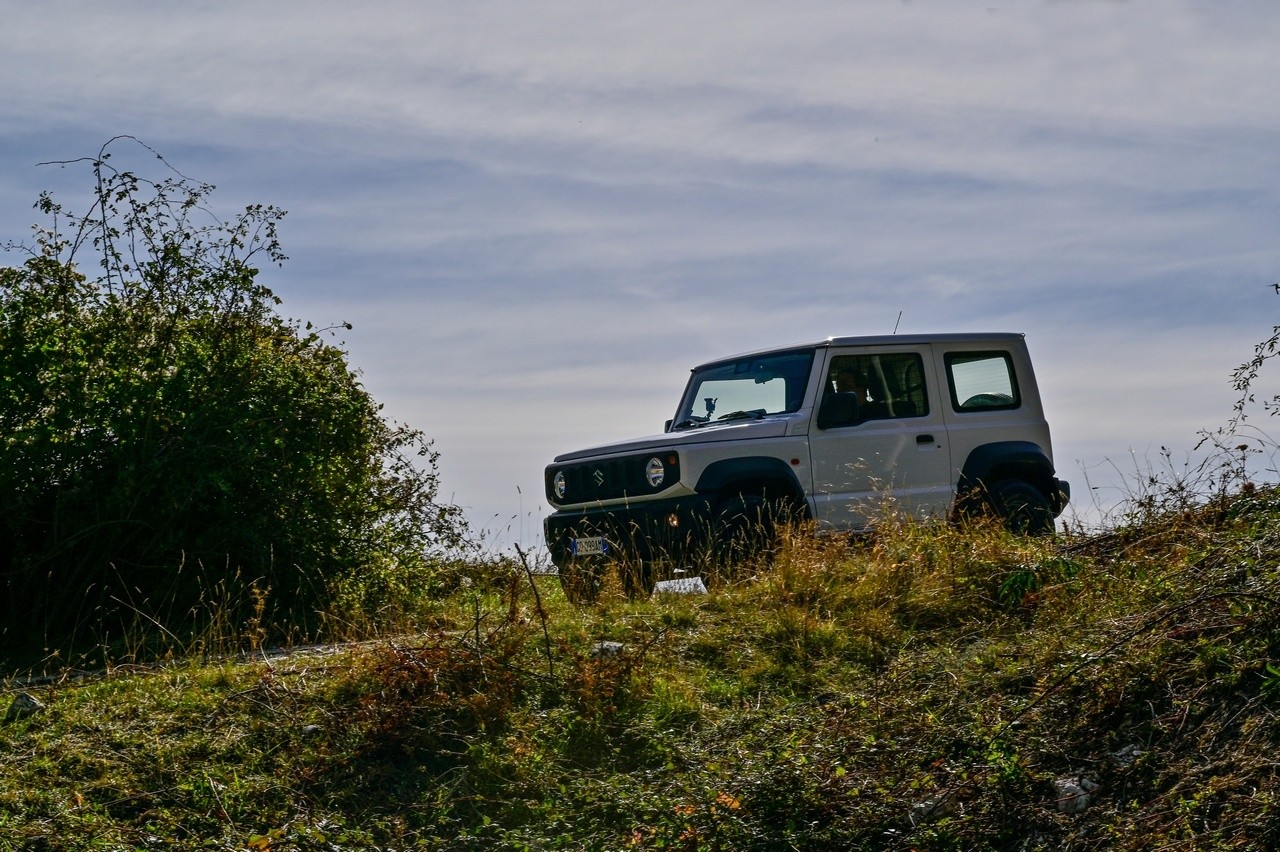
(1022, 507)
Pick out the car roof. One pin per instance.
(879, 340)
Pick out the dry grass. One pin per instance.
(922, 688)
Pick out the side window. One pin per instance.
(982, 381)
(883, 386)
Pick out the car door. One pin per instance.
(879, 437)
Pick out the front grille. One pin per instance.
(610, 479)
(600, 481)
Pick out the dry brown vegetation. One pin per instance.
(920, 689)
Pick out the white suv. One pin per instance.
(938, 424)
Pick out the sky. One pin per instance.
(538, 216)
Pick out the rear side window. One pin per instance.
(982, 381)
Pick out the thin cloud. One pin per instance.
(539, 218)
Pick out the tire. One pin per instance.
(581, 582)
(747, 526)
(1023, 508)
(637, 579)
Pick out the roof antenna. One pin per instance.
(895, 325)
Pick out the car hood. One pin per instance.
(770, 427)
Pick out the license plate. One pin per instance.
(595, 546)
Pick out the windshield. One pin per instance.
(746, 388)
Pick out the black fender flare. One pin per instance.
(752, 475)
(1023, 460)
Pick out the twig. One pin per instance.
(542, 612)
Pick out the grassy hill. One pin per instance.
(926, 688)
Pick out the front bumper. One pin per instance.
(674, 529)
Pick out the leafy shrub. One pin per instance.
(156, 412)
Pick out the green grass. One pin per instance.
(816, 703)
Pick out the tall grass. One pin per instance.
(920, 688)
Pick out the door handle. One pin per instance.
(925, 439)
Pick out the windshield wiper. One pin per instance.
(754, 414)
(688, 424)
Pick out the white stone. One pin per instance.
(1074, 794)
(681, 586)
(605, 650)
(1127, 755)
(932, 810)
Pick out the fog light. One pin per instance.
(673, 520)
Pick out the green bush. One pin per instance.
(165, 433)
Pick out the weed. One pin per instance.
(920, 688)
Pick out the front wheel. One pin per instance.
(747, 528)
(581, 582)
(1023, 508)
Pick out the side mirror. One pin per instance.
(667, 426)
(839, 409)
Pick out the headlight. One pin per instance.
(557, 484)
(655, 472)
